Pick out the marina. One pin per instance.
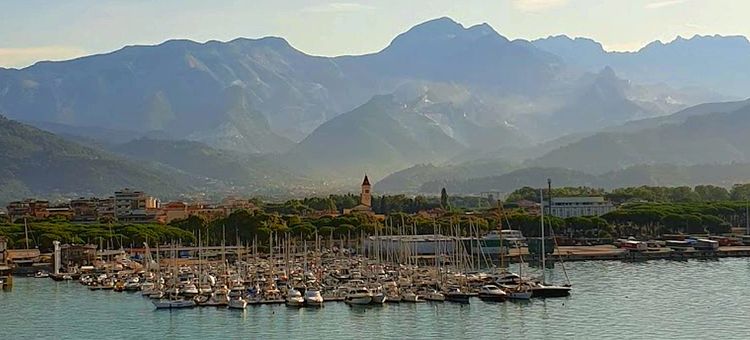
(611, 299)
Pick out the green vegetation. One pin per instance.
(681, 194)
(684, 210)
(34, 162)
(41, 234)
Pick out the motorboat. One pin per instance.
(313, 298)
(549, 291)
(410, 297)
(156, 295)
(455, 294)
(358, 296)
(237, 303)
(41, 275)
(189, 290)
(519, 292)
(507, 278)
(147, 288)
(294, 298)
(173, 303)
(132, 284)
(492, 293)
(379, 298)
(433, 295)
(216, 300)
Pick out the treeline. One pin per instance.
(385, 204)
(243, 226)
(42, 233)
(650, 219)
(682, 194)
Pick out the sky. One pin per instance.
(35, 30)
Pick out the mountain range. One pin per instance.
(37, 163)
(718, 63)
(442, 103)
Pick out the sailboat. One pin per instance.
(173, 300)
(543, 289)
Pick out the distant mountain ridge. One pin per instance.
(711, 61)
(250, 173)
(466, 100)
(699, 139)
(262, 95)
(36, 163)
(655, 175)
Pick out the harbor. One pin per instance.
(627, 298)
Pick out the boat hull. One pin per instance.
(293, 302)
(550, 292)
(457, 297)
(493, 297)
(378, 299)
(237, 304)
(361, 300)
(173, 304)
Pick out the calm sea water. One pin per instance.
(655, 300)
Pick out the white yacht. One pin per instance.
(313, 298)
(410, 297)
(237, 303)
(492, 293)
(189, 290)
(294, 298)
(358, 296)
(172, 303)
(132, 284)
(434, 295)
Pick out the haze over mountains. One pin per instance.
(718, 63)
(258, 116)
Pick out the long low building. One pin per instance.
(578, 206)
(420, 245)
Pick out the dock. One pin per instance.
(611, 253)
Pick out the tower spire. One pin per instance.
(365, 197)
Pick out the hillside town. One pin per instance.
(126, 206)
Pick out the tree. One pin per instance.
(683, 194)
(673, 222)
(694, 224)
(740, 192)
(444, 199)
(712, 193)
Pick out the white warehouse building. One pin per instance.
(578, 206)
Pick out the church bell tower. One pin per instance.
(365, 197)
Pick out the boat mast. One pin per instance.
(26, 233)
(541, 201)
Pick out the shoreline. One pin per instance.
(610, 253)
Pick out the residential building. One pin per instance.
(578, 206)
(134, 206)
(127, 201)
(85, 209)
(105, 207)
(61, 211)
(30, 208)
(231, 204)
(173, 211)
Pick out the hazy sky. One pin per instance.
(33, 30)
